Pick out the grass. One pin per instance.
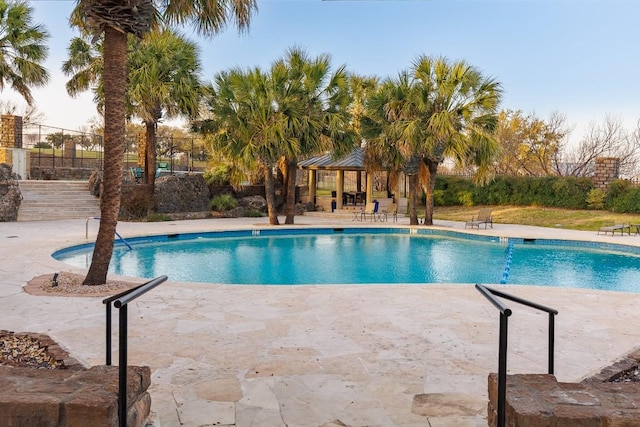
(590, 220)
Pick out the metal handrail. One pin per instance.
(505, 312)
(120, 301)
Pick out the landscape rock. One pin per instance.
(258, 203)
(10, 195)
(187, 193)
(95, 183)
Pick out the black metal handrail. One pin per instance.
(505, 312)
(120, 301)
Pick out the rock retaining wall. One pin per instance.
(539, 400)
(71, 397)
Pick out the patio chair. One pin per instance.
(392, 210)
(483, 217)
(136, 174)
(616, 227)
(370, 209)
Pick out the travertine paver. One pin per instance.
(317, 355)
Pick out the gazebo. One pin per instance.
(354, 161)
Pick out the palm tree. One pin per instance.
(84, 67)
(454, 114)
(323, 121)
(248, 122)
(386, 109)
(22, 49)
(164, 73)
(163, 81)
(115, 19)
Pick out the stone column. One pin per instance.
(142, 142)
(369, 187)
(11, 131)
(312, 186)
(339, 188)
(607, 169)
(69, 151)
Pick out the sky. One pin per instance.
(580, 58)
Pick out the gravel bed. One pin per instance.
(71, 284)
(25, 351)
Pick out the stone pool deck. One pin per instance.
(380, 355)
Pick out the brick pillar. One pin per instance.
(10, 131)
(607, 169)
(141, 149)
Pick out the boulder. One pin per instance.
(184, 193)
(10, 195)
(258, 203)
(95, 183)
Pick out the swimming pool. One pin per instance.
(369, 256)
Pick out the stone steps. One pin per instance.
(52, 200)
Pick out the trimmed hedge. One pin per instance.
(551, 191)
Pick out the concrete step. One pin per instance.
(52, 200)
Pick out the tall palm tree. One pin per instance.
(164, 74)
(454, 114)
(115, 19)
(22, 49)
(163, 81)
(84, 67)
(323, 123)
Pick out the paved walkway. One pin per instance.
(316, 355)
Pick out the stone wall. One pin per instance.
(60, 173)
(539, 400)
(607, 169)
(71, 397)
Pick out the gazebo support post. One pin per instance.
(339, 188)
(369, 187)
(313, 174)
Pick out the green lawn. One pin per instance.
(543, 217)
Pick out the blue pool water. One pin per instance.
(357, 256)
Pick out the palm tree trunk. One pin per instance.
(150, 156)
(114, 75)
(290, 183)
(269, 194)
(413, 199)
(429, 187)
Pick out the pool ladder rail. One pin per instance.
(86, 232)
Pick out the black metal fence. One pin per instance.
(54, 147)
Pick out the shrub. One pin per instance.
(218, 175)
(595, 198)
(223, 202)
(253, 213)
(623, 197)
(438, 198)
(465, 198)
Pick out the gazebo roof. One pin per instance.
(353, 161)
